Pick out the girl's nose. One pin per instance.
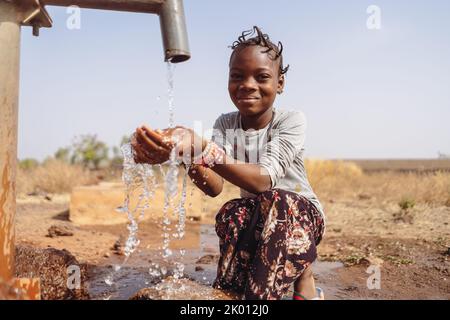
(248, 84)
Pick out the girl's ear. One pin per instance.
(281, 81)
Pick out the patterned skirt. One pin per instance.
(266, 243)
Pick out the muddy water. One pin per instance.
(200, 260)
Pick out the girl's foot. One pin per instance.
(319, 295)
(305, 285)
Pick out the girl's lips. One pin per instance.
(248, 99)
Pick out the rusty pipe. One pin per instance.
(9, 99)
(171, 17)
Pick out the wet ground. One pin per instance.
(200, 269)
(411, 267)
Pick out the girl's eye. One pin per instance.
(235, 76)
(264, 76)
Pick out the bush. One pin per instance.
(406, 204)
(27, 164)
(54, 176)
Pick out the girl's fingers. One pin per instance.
(144, 139)
(142, 154)
(157, 138)
(139, 159)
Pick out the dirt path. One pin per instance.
(413, 256)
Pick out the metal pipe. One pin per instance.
(171, 17)
(173, 31)
(9, 99)
(145, 6)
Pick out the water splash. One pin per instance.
(135, 177)
(142, 177)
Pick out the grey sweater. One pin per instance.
(279, 148)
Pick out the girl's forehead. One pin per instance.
(253, 56)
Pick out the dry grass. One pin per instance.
(53, 177)
(338, 179)
(329, 179)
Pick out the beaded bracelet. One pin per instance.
(211, 155)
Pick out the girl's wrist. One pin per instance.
(211, 155)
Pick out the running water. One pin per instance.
(141, 177)
(170, 93)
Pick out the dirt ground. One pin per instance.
(411, 250)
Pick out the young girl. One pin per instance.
(268, 237)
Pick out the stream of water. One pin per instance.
(142, 179)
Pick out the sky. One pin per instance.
(366, 93)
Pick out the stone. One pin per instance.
(51, 266)
(59, 231)
(208, 259)
(181, 289)
(97, 205)
(369, 261)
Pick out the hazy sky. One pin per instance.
(366, 93)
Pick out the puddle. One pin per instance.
(197, 280)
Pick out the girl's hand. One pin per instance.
(188, 143)
(151, 146)
(155, 146)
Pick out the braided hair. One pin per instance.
(255, 37)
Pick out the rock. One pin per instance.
(369, 261)
(363, 196)
(351, 288)
(59, 231)
(208, 259)
(99, 204)
(118, 246)
(182, 289)
(107, 255)
(147, 294)
(51, 266)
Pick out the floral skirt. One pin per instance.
(266, 243)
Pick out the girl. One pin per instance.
(268, 237)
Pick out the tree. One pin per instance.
(63, 154)
(28, 163)
(89, 151)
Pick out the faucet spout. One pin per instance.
(173, 31)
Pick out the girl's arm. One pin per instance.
(251, 177)
(206, 180)
(150, 148)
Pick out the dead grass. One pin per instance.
(329, 179)
(338, 179)
(53, 176)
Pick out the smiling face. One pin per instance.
(254, 80)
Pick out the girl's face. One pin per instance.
(254, 80)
